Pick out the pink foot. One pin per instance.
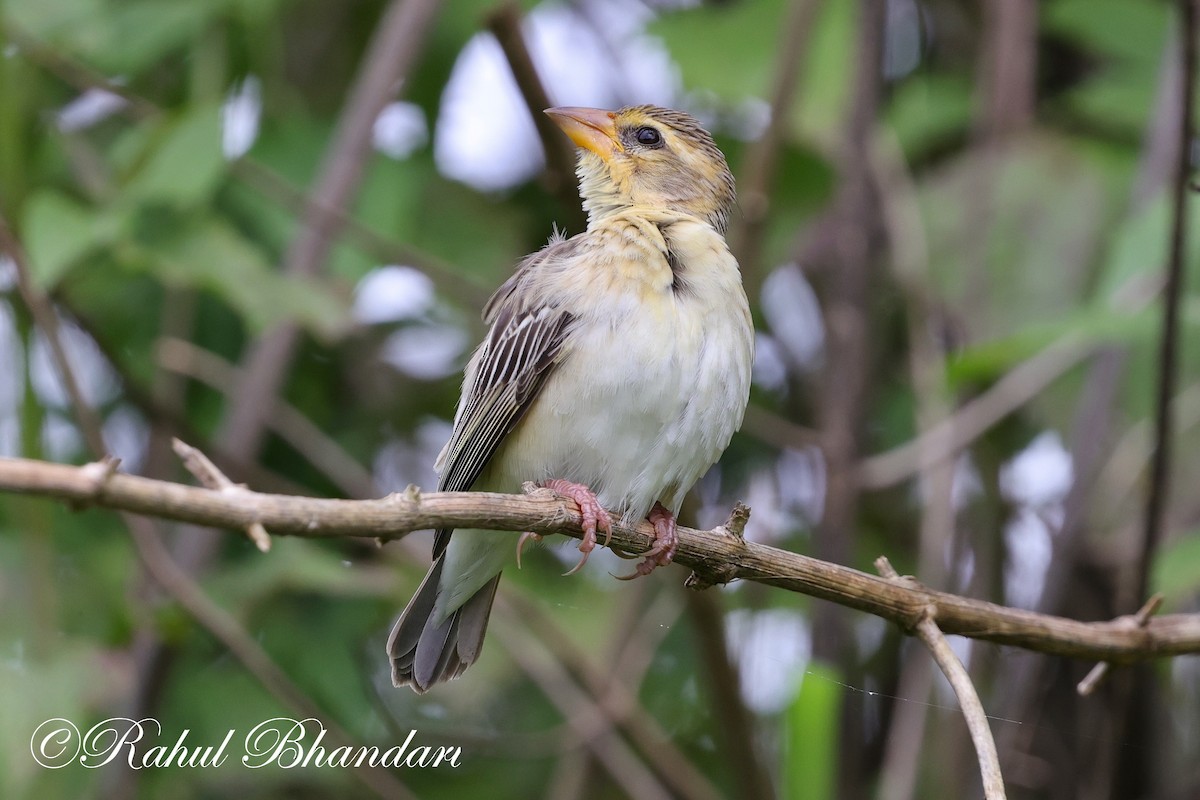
(666, 541)
(593, 514)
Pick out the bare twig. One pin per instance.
(774, 429)
(717, 556)
(1009, 67)
(233, 636)
(931, 636)
(505, 25)
(207, 473)
(588, 719)
(846, 294)
(974, 418)
(71, 71)
(909, 261)
(390, 55)
(735, 527)
(1105, 480)
(1160, 151)
(846, 381)
(734, 721)
(1097, 673)
(758, 166)
(1015, 388)
(1133, 453)
(910, 266)
(1168, 352)
(616, 698)
(321, 450)
(462, 285)
(155, 556)
(46, 319)
(160, 411)
(94, 480)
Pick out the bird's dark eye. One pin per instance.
(648, 136)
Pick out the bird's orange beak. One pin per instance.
(591, 128)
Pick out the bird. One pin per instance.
(615, 370)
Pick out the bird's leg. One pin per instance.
(666, 541)
(593, 514)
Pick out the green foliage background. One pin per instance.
(140, 227)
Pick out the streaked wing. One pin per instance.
(520, 352)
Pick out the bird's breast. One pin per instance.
(656, 376)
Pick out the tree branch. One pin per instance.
(149, 546)
(589, 720)
(714, 555)
(505, 25)
(1168, 351)
(758, 167)
(616, 696)
(181, 357)
(390, 56)
(931, 636)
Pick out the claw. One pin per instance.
(592, 513)
(642, 569)
(666, 542)
(579, 566)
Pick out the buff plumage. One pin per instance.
(616, 369)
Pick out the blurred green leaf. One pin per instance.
(1127, 37)
(928, 109)
(63, 684)
(132, 35)
(1139, 246)
(59, 231)
(1124, 29)
(706, 40)
(1097, 325)
(804, 181)
(210, 254)
(294, 565)
(811, 730)
(185, 162)
(827, 74)
(1012, 235)
(119, 38)
(49, 19)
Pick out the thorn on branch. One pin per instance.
(725, 571)
(211, 477)
(97, 474)
(735, 526)
(1098, 672)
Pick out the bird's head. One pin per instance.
(647, 156)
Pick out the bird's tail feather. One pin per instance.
(424, 652)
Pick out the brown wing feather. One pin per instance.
(520, 352)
